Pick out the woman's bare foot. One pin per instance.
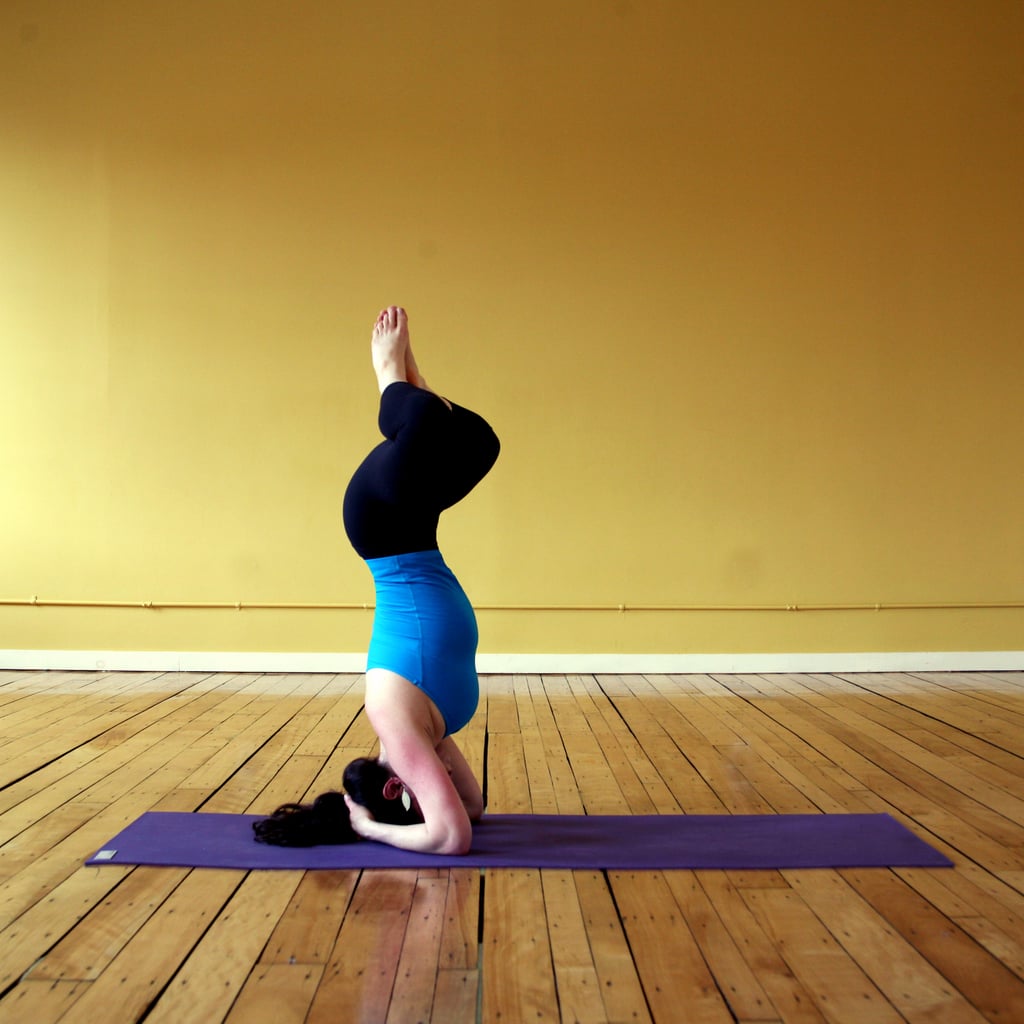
(392, 352)
(413, 375)
(412, 371)
(389, 345)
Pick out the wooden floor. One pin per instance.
(83, 754)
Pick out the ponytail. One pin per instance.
(325, 822)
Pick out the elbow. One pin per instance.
(456, 848)
(457, 841)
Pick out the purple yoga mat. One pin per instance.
(172, 838)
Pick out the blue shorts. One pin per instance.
(424, 630)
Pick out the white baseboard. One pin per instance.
(501, 664)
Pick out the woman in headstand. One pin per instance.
(421, 682)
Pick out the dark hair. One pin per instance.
(325, 821)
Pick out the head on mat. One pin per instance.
(326, 821)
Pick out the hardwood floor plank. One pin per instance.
(949, 714)
(548, 774)
(276, 994)
(913, 987)
(923, 797)
(690, 790)
(507, 787)
(308, 927)
(941, 752)
(595, 780)
(621, 990)
(890, 731)
(148, 962)
(215, 971)
(360, 974)
(669, 961)
(576, 979)
(789, 998)
(639, 779)
(502, 716)
(554, 788)
(333, 724)
(457, 996)
(84, 953)
(418, 965)
(460, 934)
(518, 978)
(840, 989)
(31, 934)
(733, 975)
(989, 985)
(40, 1002)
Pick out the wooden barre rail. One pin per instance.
(36, 602)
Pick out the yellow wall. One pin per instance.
(739, 285)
